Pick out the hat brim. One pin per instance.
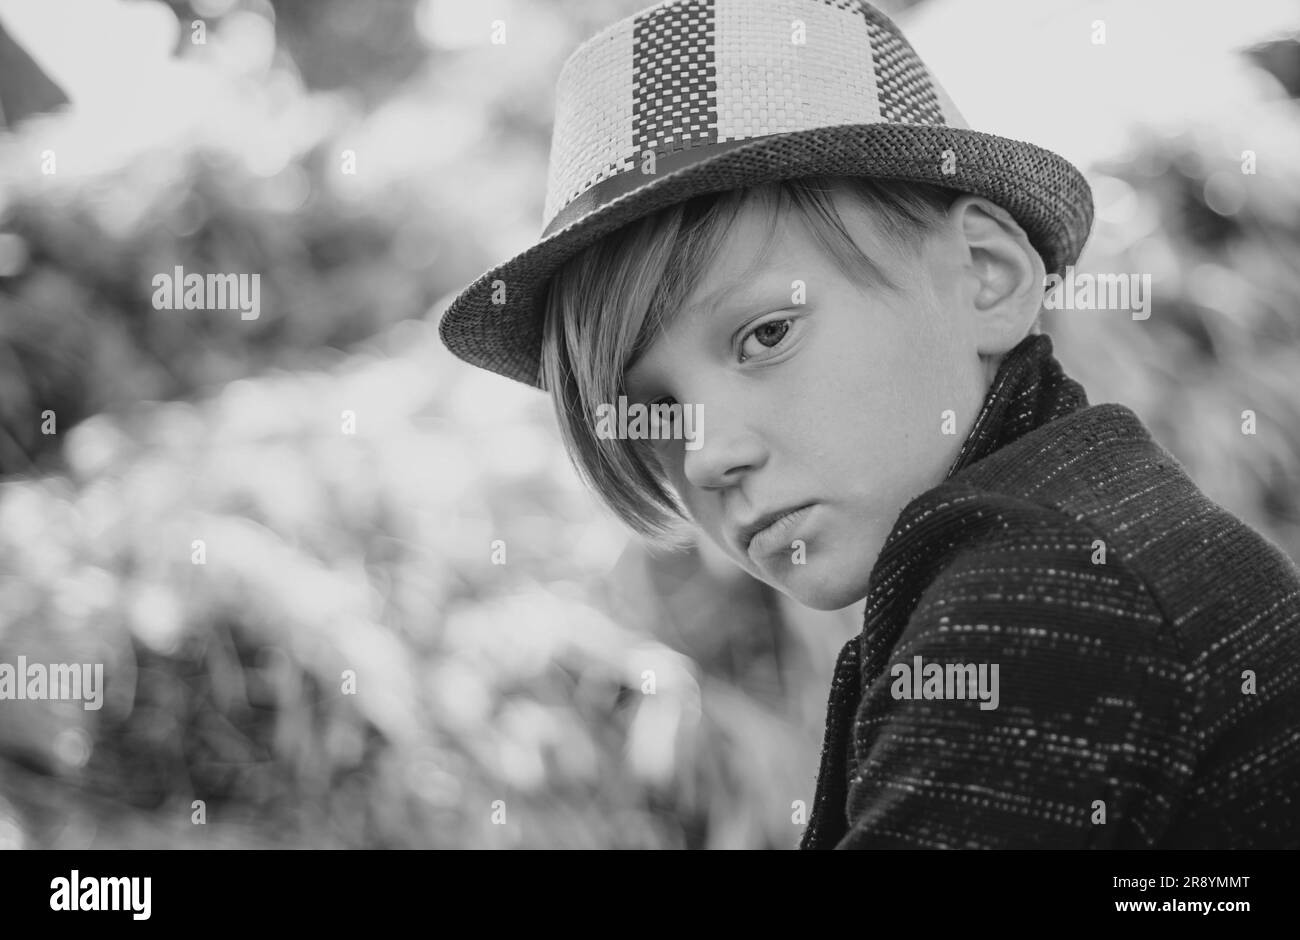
(1046, 194)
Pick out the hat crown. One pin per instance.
(686, 76)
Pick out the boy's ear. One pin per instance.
(1008, 273)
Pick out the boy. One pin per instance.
(768, 217)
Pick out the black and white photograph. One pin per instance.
(709, 424)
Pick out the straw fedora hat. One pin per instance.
(699, 96)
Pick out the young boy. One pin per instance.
(769, 230)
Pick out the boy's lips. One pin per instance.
(758, 532)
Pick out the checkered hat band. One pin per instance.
(681, 79)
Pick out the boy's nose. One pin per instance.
(728, 450)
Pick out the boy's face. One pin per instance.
(837, 403)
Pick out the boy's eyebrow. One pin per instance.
(749, 290)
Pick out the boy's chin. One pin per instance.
(819, 590)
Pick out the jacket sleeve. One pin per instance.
(1079, 735)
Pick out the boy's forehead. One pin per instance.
(726, 293)
(758, 234)
(759, 250)
(764, 238)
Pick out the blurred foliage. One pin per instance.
(1223, 336)
(326, 551)
(78, 331)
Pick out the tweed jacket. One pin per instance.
(1147, 644)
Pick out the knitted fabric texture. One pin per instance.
(1149, 691)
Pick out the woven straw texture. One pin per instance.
(734, 93)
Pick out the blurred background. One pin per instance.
(198, 515)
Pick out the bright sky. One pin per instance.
(1029, 70)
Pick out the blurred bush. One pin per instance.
(79, 333)
(1212, 213)
(322, 552)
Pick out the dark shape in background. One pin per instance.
(25, 89)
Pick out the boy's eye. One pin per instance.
(767, 335)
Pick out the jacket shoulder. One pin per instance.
(1084, 710)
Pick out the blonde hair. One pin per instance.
(607, 304)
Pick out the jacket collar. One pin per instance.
(1029, 390)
